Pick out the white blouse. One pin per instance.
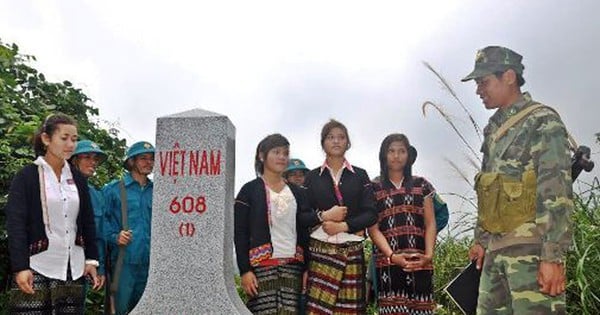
(62, 200)
(283, 217)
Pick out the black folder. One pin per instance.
(464, 289)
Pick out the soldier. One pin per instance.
(524, 194)
(86, 158)
(132, 196)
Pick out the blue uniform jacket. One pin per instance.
(139, 215)
(99, 205)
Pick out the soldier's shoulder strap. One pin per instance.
(123, 193)
(121, 256)
(509, 123)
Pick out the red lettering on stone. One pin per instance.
(164, 161)
(191, 229)
(182, 162)
(174, 164)
(194, 162)
(188, 204)
(175, 206)
(187, 229)
(204, 164)
(201, 163)
(181, 229)
(201, 204)
(215, 163)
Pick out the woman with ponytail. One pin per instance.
(50, 225)
(405, 232)
(269, 242)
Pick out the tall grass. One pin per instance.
(450, 258)
(583, 261)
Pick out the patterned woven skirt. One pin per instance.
(51, 296)
(404, 293)
(336, 278)
(279, 289)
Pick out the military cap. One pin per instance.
(296, 164)
(138, 148)
(87, 146)
(492, 59)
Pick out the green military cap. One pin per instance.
(138, 148)
(492, 59)
(296, 164)
(87, 146)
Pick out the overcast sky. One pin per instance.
(288, 67)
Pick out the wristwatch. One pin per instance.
(320, 216)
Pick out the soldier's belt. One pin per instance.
(505, 202)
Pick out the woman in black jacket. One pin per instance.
(269, 242)
(341, 208)
(50, 225)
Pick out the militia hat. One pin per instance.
(296, 164)
(138, 148)
(492, 59)
(87, 146)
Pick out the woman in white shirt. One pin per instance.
(50, 225)
(269, 242)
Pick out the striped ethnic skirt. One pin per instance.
(51, 296)
(336, 278)
(279, 289)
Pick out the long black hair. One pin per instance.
(264, 146)
(50, 126)
(412, 156)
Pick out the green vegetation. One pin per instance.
(583, 261)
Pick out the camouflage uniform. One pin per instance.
(538, 142)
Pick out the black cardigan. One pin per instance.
(25, 224)
(252, 230)
(356, 191)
